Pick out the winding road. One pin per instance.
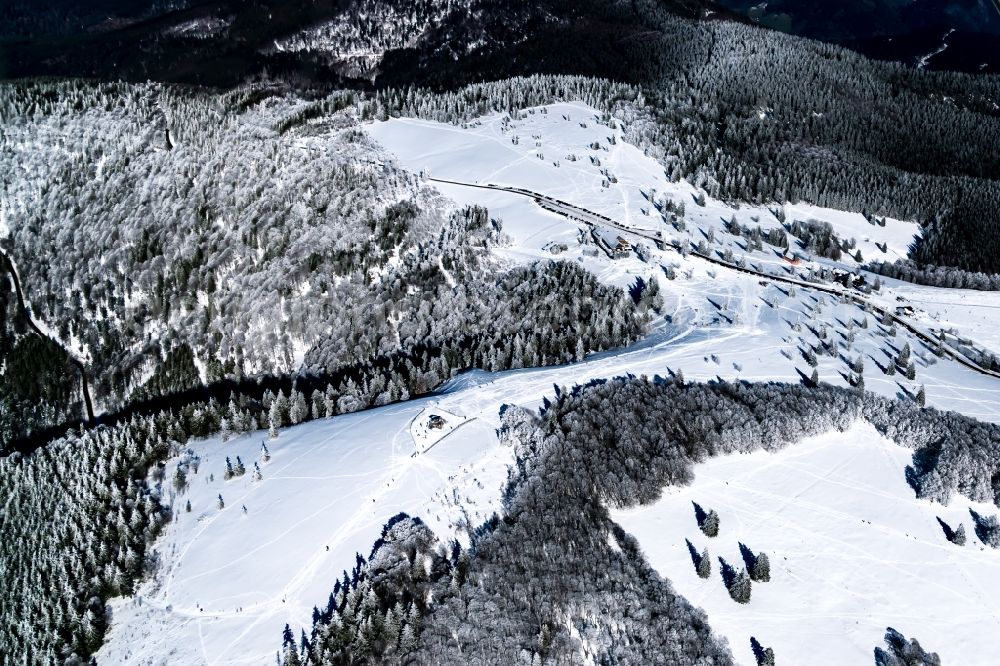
(592, 219)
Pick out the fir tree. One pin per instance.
(298, 410)
(740, 587)
(704, 568)
(904, 356)
(761, 571)
(710, 526)
(763, 656)
(958, 537)
(180, 479)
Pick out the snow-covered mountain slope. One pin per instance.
(229, 580)
(550, 150)
(851, 552)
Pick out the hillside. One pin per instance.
(334, 483)
(488, 332)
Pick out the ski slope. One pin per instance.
(229, 581)
(851, 553)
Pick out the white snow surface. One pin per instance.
(851, 553)
(228, 581)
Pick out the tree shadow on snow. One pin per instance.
(699, 515)
(728, 572)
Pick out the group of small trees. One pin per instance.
(231, 471)
(757, 566)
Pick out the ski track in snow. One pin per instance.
(228, 583)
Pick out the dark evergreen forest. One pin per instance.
(522, 592)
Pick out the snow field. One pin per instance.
(230, 580)
(851, 552)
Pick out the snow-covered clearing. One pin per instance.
(851, 551)
(229, 581)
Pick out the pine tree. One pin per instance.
(704, 568)
(859, 365)
(235, 418)
(740, 587)
(265, 455)
(958, 536)
(761, 571)
(298, 410)
(330, 401)
(274, 420)
(921, 396)
(222, 505)
(710, 526)
(394, 625)
(229, 469)
(240, 467)
(814, 379)
(764, 656)
(187, 507)
(180, 479)
(256, 472)
(318, 405)
(407, 639)
(904, 356)
(278, 414)
(289, 653)
(911, 371)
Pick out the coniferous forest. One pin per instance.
(197, 237)
(516, 596)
